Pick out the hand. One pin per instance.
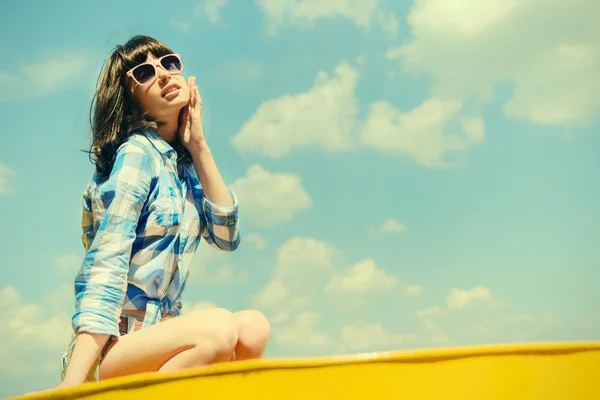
(191, 131)
(61, 385)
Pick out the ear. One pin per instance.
(129, 94)
(130, 86)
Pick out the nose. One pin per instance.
(162, 75)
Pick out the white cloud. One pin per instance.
(238, 73)
(392, 225)
(210, 9)
(207, 254)
(30, 327)
(478, 330)
(225, 274)
(228, 274)
(572, 97)
(436, 333)
(67, 263)
(372, 337)
(58, 71)
(6, 177)
(519, 318)
(279, 317)
(424, 133)
(429, 312)
(5, 78)
(270, 198)
(182, 26)
(272, 294)
(200, 305)
(307, 272)
(323, 116)
(460, 299)
(388, 23)
(302, 267)
(207, 10)
(362, 278)
(210, 266)
(413, 290)
(302, 332)
(61, 71)
(304, 13)
(549, 51)
(303, 259)
(257, 241)
(9, 296)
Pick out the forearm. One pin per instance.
(85, 353)
(210, 178)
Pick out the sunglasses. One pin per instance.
(146, 73)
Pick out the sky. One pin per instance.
(411, 174)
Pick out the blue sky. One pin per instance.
(411, 174)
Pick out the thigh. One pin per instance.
(146, 350)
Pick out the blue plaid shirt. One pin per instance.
(141, 228)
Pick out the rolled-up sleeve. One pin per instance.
(222, 225)
(101, 282)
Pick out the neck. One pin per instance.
(169, 127)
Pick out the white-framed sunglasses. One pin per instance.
(146, 73)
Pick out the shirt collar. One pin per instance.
(160, 144)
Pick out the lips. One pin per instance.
(169, 88)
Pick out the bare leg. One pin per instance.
(192, 340)
(253, 334)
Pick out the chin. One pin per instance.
(180, 101)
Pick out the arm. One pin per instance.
(102, 280)
(217, 205)
(85, 353)
(213, 187)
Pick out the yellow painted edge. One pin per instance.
(400, 356)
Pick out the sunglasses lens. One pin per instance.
(144, 73)
(171, 64)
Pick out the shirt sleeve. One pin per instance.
(101, 282)
(220, 225)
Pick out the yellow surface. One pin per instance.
(565, 371)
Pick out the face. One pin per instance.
(159, 88)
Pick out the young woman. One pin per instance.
(155, 192)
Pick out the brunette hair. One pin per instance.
(114, 116)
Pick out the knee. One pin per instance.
(220, 328)
(253, 328)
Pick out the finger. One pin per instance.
(198, 97)
(188, 130)
(192, 92)
(189, 85)
(192, 96)
(184, 122)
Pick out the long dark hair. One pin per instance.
(113, 114)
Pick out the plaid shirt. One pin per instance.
(141, 228)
